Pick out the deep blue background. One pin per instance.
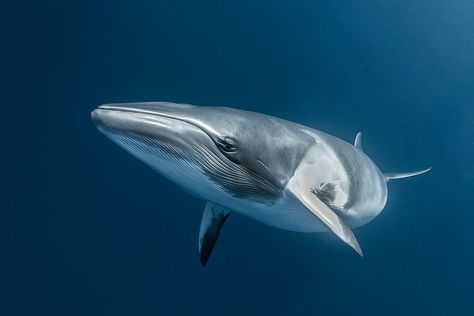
(89, 230)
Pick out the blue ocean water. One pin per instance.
(90, 230)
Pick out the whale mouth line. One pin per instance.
(118, 109)
(110, 107)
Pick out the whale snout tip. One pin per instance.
(100, 116)
(96, 117)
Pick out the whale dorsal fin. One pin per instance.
(212, 220)
(358, 141)
(393, 176)
(326, 215)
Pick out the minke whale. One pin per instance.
(274, 171)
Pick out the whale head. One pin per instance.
(207, 149)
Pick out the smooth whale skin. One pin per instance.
(277, 172)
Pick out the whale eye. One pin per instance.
(227, 144)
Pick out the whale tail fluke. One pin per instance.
(394, 176)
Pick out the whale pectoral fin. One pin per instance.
(212, 220)
(328, 217)
(358, 141)
(402, 175)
